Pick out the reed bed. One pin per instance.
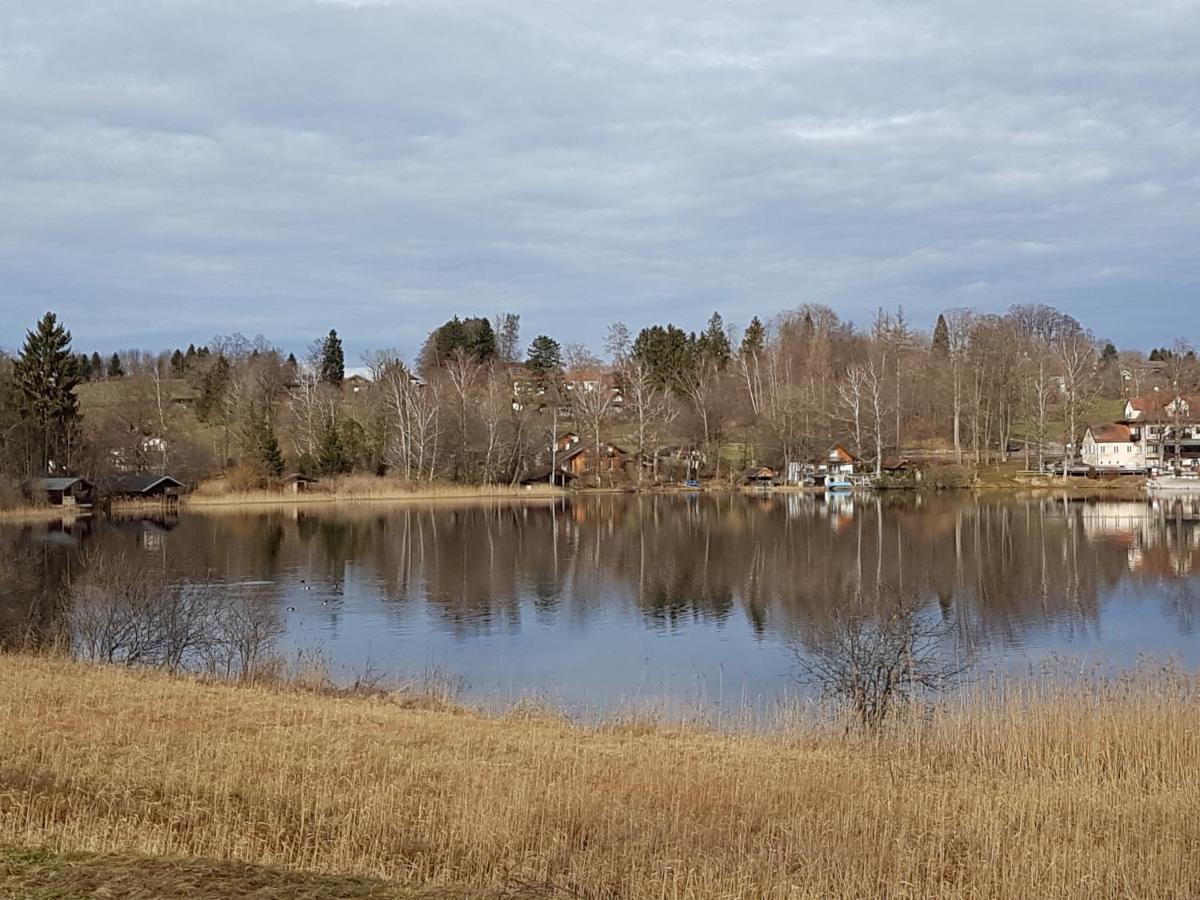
(1020, 790)
(353, 488)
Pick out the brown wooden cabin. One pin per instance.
(582, 460)
(146, 486)
(64, 491)
(297, 483)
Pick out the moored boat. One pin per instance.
(1185, 484)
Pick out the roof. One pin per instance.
(298, 476)
(56, 484)
(840, 451)
(757, 473)
(610, 449)
(1111, 434)
(142, 482)
(1158, 402)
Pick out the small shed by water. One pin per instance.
(146, 486)
(297, 483)
(64, 491)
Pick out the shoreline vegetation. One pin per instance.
(1028, 788)
(215, 494)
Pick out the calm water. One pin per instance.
(606, 601)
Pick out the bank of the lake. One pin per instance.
(1084, 789)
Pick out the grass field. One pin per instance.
(44, 875)
(1084, 790)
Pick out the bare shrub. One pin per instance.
(875, 659)
(121, 611)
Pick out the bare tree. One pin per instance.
(1077, 361)
(647, 407)
(852, 401)
(960, 323)
(875, 660)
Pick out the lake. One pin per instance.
(604, 602)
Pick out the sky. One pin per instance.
(171, 170)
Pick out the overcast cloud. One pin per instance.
(173, 169)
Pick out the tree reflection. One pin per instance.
(993, 569)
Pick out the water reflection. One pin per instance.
(596, 598)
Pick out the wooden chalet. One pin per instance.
(297, 483)
(583, 459)
(62, 491)
(146, 486)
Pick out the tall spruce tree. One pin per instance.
(177, 364)
(544, 359)
(96, 369)
(941, 338)
(114, 367)
(331, 455)
(754, 341)
(269, 455)
(333, 360)
(713, 343)
(213, 386)
(48, 374)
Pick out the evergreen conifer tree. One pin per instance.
(48, 372)
(114, 367)
(333, 360)
(941, 337)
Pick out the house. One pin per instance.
(356, 384)
(1112, 448)
(297, 483)
(592, 380)
(60, 491)
(555, 477)
(1166, 427)
(146, 486)
(584, 460)
(759, 476)
(565, 442)
(839, 461)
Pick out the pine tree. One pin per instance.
(83, 367)
(941, 338)
(1109, 354)
(754, 341)
(212, 389)
(114, 367)
(291, 361)
(96, 366)
(481, 339)
(177, 364)
(544, 359)
(713, 343)
(48, 373)
(669, 352)
(333, 360)
(269, 455)
(331, 456)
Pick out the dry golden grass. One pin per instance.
(41, 875)
(1057, 793)
(43, 513)
(352, 488)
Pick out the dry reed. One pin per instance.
(1034, 790)
(352, 488)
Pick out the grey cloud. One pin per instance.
(171, 169)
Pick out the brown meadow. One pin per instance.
(1020, 790)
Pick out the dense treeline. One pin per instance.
(477, 405)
